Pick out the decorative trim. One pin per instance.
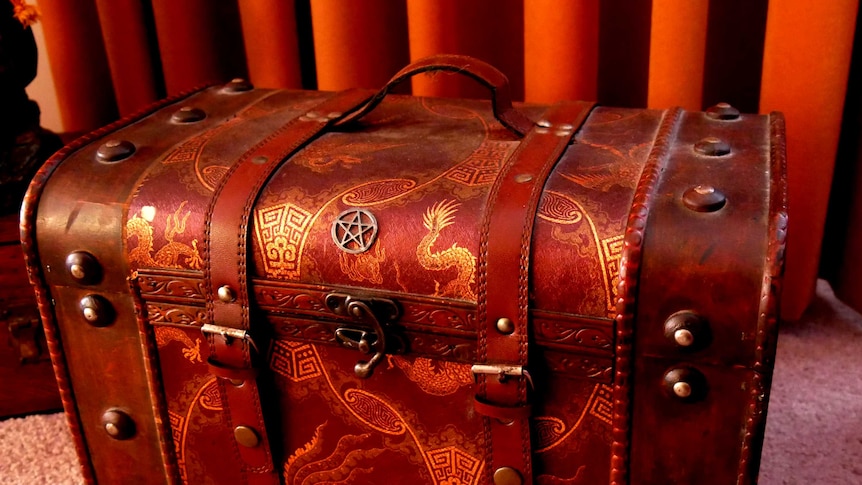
(630, 263)
(37, 277)
(768, 313)
(154, 382)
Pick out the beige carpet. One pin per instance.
(813, 433)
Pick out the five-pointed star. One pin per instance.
(354, 230)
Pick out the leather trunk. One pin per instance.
(243, 285)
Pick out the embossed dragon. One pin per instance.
(435, 219)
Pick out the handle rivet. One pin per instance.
(246, 436)
(507, 476)
(226, 294)
(238, 85)
(686, 384)
(505, 326)
(188, 114)
(523, 178)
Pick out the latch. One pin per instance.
(27, 336)
(373, 331)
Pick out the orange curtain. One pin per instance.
(111, 58)
(805, 66)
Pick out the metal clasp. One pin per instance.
(503, 371)
(228, 333)
(372, 332)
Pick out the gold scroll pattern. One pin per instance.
(551, 431)
(561, 209)
(206, 397)
(447, 465)
(139, 229)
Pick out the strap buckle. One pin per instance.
(503, 371)
(228, 333)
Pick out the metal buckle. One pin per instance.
(503, 371)
(229, 333)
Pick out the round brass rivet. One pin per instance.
(237, 382)
(544, 123)
(704, 198)
(683, 337)
(507, 476)
(237, 85)
(312, 114)
(246, 436)
(118, 424)
(682, 389)
(259, 160)
(523, 178)
(115, 150)
(225, 294)
(334, 114)
(722, 111)
(505, 326)
(83, 267)
(712, 147)
(96, 310)
(566, 127)
(188, 114)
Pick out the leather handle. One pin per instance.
(484, 73)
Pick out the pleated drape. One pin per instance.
(806, 61)
(113, 57)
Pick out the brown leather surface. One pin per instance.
(505, 248)
(225, 256)
(424, 167)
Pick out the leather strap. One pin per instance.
(503, 283)
(226, 288)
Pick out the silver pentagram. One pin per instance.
(354, 230)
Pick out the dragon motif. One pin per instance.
(168, 256)
(170, 253)
(166, 335)
(435, 219)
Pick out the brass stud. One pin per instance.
(507, 476)
(334, 115)
(83, 268)
(505, 326)
(118, 424)
(712, 147)
(683, 337)
(259, 160)
(188, 114)
(226, 294)
(687, 330)
(523, 178)
(704, 198)
(682, 389)
(544, 123)
(97, 311)
(685, 383)
(722, 111)
(246, 436)
(115, 150)
(237, 85)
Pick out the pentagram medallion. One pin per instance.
(354, 230)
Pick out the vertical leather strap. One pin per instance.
(503, 283)
(226, 287)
